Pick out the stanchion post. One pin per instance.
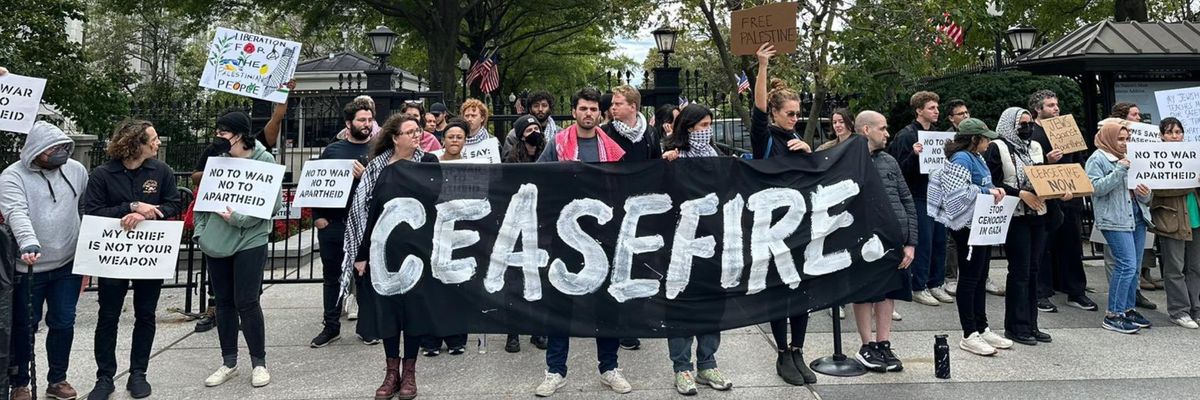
(838, 364)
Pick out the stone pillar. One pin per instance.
(83, 148)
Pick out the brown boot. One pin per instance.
(408, 383)
(391, 380)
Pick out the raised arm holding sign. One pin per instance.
(772, 23)
(250, 65)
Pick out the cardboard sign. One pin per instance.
(20, 97)
(1183, 104)
(933, 149)
(1143, 133)
(1050, 181)
(1164, 165)
(487, 151)
(989, 223)
(249, 187)
(1064, 134)
(150, 251)
(250, 65)
(325, 184)
(775, 23)
(1097, 237)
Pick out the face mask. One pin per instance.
(535, 138)
(701, 135)
(221, 145)
(57, 158)
(1025, 130)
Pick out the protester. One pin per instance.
(605, 108)
(772, 134)
(1126, 111)
(958, 111)
(456, 136)
(697, 122)
(1130, 112)
(39, 199)
(664, 118)
(1176, 219)
(843, 125)
(952, 192)
(540, 104)
(441, 114)
(476, 114)
(929, 268)
(429, 142)
(235, 247)
(1123, 221)
(877, 354)
(582, 141)
(430, 124)
(530, 140)
(359, 119)
(134, 187)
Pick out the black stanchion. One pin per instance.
(32, 334)
(837, 364)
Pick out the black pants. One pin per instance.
(1062, 261)
(799, 325)
(972, 296)
(391, 347)
(111, 299)
(236, 281)
(331, 271)
(1024, 247)
(452, 341)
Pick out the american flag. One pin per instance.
(743, 83)
(486, 70)
(950, 29)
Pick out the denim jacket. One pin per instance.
(1111, 202)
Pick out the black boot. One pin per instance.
(798, 359)
(786, 368)
(103, 390)
(512, 344)
(137, 385)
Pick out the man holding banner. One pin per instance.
(132, 186)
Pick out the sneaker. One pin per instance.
(137, 386)
(951, 288)
(995, 340)
(222, 375)
(551, 384)
(259, 377)
(1137, 319)
(1082, 302)
(870, 357)
(432, 352)
(889, 357)
(1143, 302)
(20, 393)
(713, 378)
(940, 294)
(923, 297)
(538, 341)
(684, 383)
(613, 379)
(975, 344)
(631, 343)
(103, 389)
(368, 341)
(457, 350)
(1186, 321)
(1044, 305)
(1118, 323)
(324, 338)
(512, 344)
(896, 316)
(993, 288)
(61, 391)
(786, 369)
(802, 366)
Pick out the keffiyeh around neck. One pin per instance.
(479, 136)
(700, 145)
(633, 133)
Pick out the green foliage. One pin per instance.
(987, 95)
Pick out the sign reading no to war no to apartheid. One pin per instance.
(20, 97)
(250, 65)
(990, 222)
(1064, 134)
(1164, 165)
(151, 251)
(324, 184)
(774, 23)
(247, 186)
(1183, 104)
(933, 149)
(1056, 180)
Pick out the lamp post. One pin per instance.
(379, 80)
(664, 37)
(666, 79)
(464, 64)
(1022, 38)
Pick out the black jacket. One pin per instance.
(649, 148)
(910, 164)
(341, 150)
(111, 188)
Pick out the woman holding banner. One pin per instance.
(235, 247)
(1176, 218)
(398, 141)
(134, 187)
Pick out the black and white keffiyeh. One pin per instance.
(360, 207)
(550, 129)
(1007, 128)
(633, 133)
(479, 136)
(700, 145)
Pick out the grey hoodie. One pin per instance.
(42, 206)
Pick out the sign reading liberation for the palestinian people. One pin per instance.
(775, 23)
(933, 149)
(487, 151)
(20, 97)
(1143, 133)
(325, 184)
(249, 187)
(250, 65)
(1056, 180)
(149, 251)
(1183, 104)
(1164, 165)
(1064, 134)
(989, 223)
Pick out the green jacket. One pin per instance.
(218, 238)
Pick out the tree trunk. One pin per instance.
(731, 73)
(820, 65)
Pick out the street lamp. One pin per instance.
(1022, 38)
(382, 40)
(664, 37)
(464, 64)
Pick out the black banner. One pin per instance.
(643, 249)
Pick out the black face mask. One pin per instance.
(57, 159)
(1025, 130)
(535, 138)
(221, 145)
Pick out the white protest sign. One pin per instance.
(1140, 132)
(989, 223)
(150, 251)
(933, 148)
(1097, 237)
(325, 184)
(249, 187)
(1164, 165)
(250, 65)
(488, 150)
(20, 97)
(1183, 104)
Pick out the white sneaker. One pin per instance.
(613, 379)
(994, 340)
(951, 288)
(1186, 321)
(351, 309)
(222, 375)
(975, 344)
(940, 294)
(924, 297)
(993, 288)
(896, 316)
(260, 377)
(550, 385)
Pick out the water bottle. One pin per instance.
(941, 357)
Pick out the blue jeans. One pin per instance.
(58, 290)
(680, 349)
(559, 347)
(929, 266)
(1127, 253)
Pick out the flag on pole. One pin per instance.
(486, 70)
(743, 83)
(951, 30)
(683, 102)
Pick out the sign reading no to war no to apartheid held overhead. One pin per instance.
(1183, 104)
(324, 184)
(250, 65)
(20, 97)
(1056, 180)
(247, 186)
(989, 223)
(1064, 134)
(774, 23)
(149, 251)
(933, 149)
(1164, 165)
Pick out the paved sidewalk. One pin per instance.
(1084, 361)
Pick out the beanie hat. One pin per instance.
(521, 123)
(236, 121)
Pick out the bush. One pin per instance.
(987, 95)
